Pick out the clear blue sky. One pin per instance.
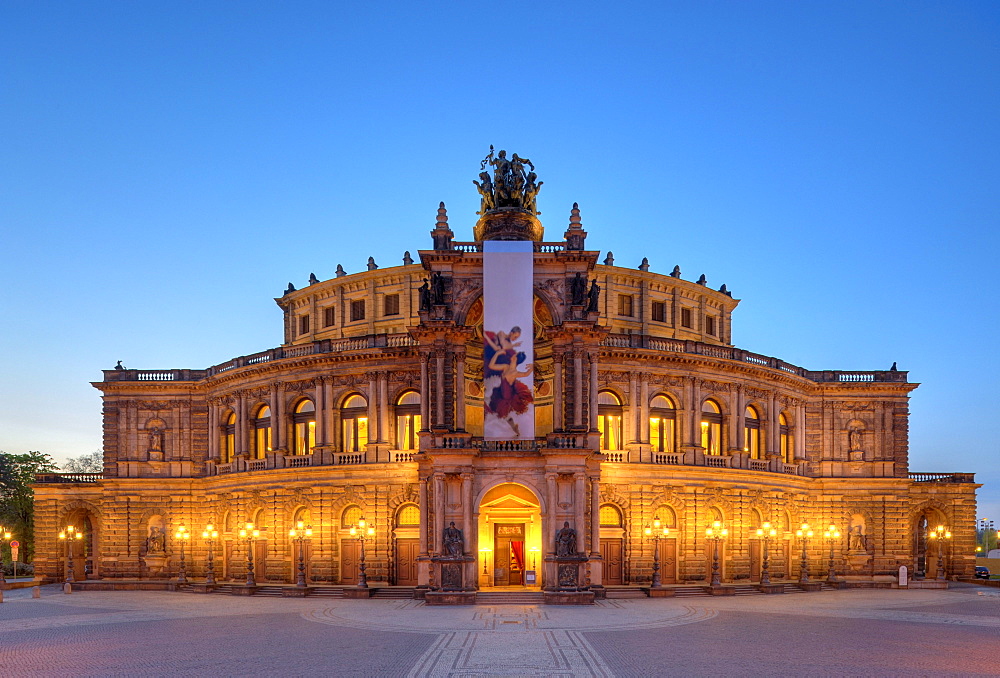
(167, 168)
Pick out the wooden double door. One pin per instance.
(407, 551)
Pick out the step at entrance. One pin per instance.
(509, 598)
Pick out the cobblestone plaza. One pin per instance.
(848, 632)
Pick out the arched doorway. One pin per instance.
(83, 548)
(510, 537)
(925, 549)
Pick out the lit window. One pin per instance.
(407, 421)
(711, 427)
(610, 516)
(354, 419)
(751, 433)
(229, 438)
(351, 516)
(662, 420)
(262, 432)
(609, 420)
(408, 515)
(787, 453)
(305, 427)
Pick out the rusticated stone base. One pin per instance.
(810, 585)
(720, 590)
(659, 592)
(450, 597)
(202, 588)
(771, 588)
(568, 597)
(243, 590)
(357, 593)
(296, 592)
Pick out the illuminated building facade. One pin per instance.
(375, 405)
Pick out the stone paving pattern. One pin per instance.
(852, 632)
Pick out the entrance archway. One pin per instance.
(510, 537)
(925, 549)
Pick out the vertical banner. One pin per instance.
(508, 331)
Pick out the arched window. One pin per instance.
(262, 432)
(305, 427)
(668, 518)
(751, 432)
(354, 419)
(302, 514)
(610, 516)
(711, 427)
(609, 420)
(408, 515)
(407, 420)
(662, 418)
(350, 517)
(785, 433)
(229, 438)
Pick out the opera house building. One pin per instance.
(505, 411)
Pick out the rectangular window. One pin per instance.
(358, 310)
(710, 325)
(625, 304)
(686, 318)
(660, 311)
(304, 324)
(391, 305)
(328, 317)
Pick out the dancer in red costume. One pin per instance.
(511, 396)
(499, 343)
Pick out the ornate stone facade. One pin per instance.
(372, 406)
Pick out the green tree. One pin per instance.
(87, 463)
(17, 501)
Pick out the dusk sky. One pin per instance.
(167, 168)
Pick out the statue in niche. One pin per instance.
(156, 542)
(578, 290)
(437, 288)
(425, 296)
(156, 440)
(855, 438)
(594, 295)
(566, 541)
(454, 544)
(856, 534)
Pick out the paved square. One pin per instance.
(856, 632)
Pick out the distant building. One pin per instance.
(376, 406)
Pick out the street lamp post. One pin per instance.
(832, 534)
(765, 533)
(804, 533)
(656, 532)
(300, 533)
(363, 532)
(249, 534)
(182, 535)
(70, 534)
(716, 533)
(210, 534)
(6, 537)
(940, 534)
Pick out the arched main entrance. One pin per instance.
(510, 537)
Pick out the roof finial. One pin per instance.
(702, 280)
(441, 234)
(340, 271)
(676, 273)
(371, 264)
(575, 235)
(644, 266)
(610, 259)
(407, 259)
(313, 279)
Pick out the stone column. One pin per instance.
(773, 431)
(577, 387)
(557, 387)
(425, 394)
(213, 431)
(372, 407)
(695, 418)
(552, 502)
(634, 434)
(595, 515)
(320, 397)
(644, 410)
(799, 432)
(439, 396)
(424, 514)
(460, 390)
(580, 509)
(737, 421)
(467, 512)
(241, 425)
(435, 548)
(593, 390)
(383, 407)
(278, 432)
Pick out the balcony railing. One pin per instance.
(69, 477)
(942, 477)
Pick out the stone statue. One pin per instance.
(119, 366)
(425, 296)
(486, 191)
(594, 294)
(156, 542)
(156, 440)
(857, 539)
(531, 190)
(454, 544)
(855, 438)
(578, 290)
(566, 541)
(511, 185)
(437, 288)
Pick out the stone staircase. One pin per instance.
(622, 592)
(394, 593)
(509, 598)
